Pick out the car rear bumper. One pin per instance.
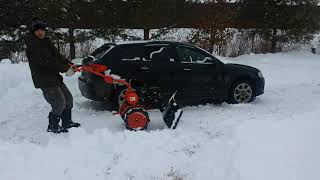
(96, 90)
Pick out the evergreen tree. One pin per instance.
(298, 26)
(12, 26)
(68, 19)
(212, 33)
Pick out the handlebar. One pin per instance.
(99, 70)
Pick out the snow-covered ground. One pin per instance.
(274, 138)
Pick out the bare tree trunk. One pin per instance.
(252, 42)
(113, 37)
(146, 33)
(58, 45)
(72, 43)
(211, 45)
(274, 41)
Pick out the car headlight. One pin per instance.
(260, 74)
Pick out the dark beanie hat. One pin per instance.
(37, 23)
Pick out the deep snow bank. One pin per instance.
(273, 138)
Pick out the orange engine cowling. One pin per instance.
(133, 114)
(131, 97)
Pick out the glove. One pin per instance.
(70, 72)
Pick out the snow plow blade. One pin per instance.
(172, 113)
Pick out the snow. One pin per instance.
(77, 60)
(5, 61)
(273, 138)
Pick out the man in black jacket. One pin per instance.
(46, 64)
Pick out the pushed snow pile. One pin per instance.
(276, 137)
(5, 61)
(15, 79)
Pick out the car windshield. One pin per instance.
(101, 51)
(207, 52)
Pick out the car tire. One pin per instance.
(241, 92)
(217, 101)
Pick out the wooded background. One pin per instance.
(255, 25)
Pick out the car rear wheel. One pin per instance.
(118, 97)
(241, 92)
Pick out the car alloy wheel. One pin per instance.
(243, 93)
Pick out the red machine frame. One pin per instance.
(131, 110)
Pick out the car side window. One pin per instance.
(156, 54)
(191, 55)
(130, 53)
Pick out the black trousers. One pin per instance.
(59, 98)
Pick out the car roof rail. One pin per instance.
(156, 44)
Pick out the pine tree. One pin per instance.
(212, 33)
(68, 18)
(12, 28)
(298, 26)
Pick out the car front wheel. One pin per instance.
(241, 92)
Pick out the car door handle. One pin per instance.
(187, 69)
(144, 68)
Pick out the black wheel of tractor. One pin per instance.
(118, 97)
(136, 119)
(241, 92)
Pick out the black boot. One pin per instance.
(66, 120)
(54, 126)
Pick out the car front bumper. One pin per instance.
(260, 84)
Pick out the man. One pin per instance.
(46, 64)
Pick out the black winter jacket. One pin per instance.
(45, 62)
